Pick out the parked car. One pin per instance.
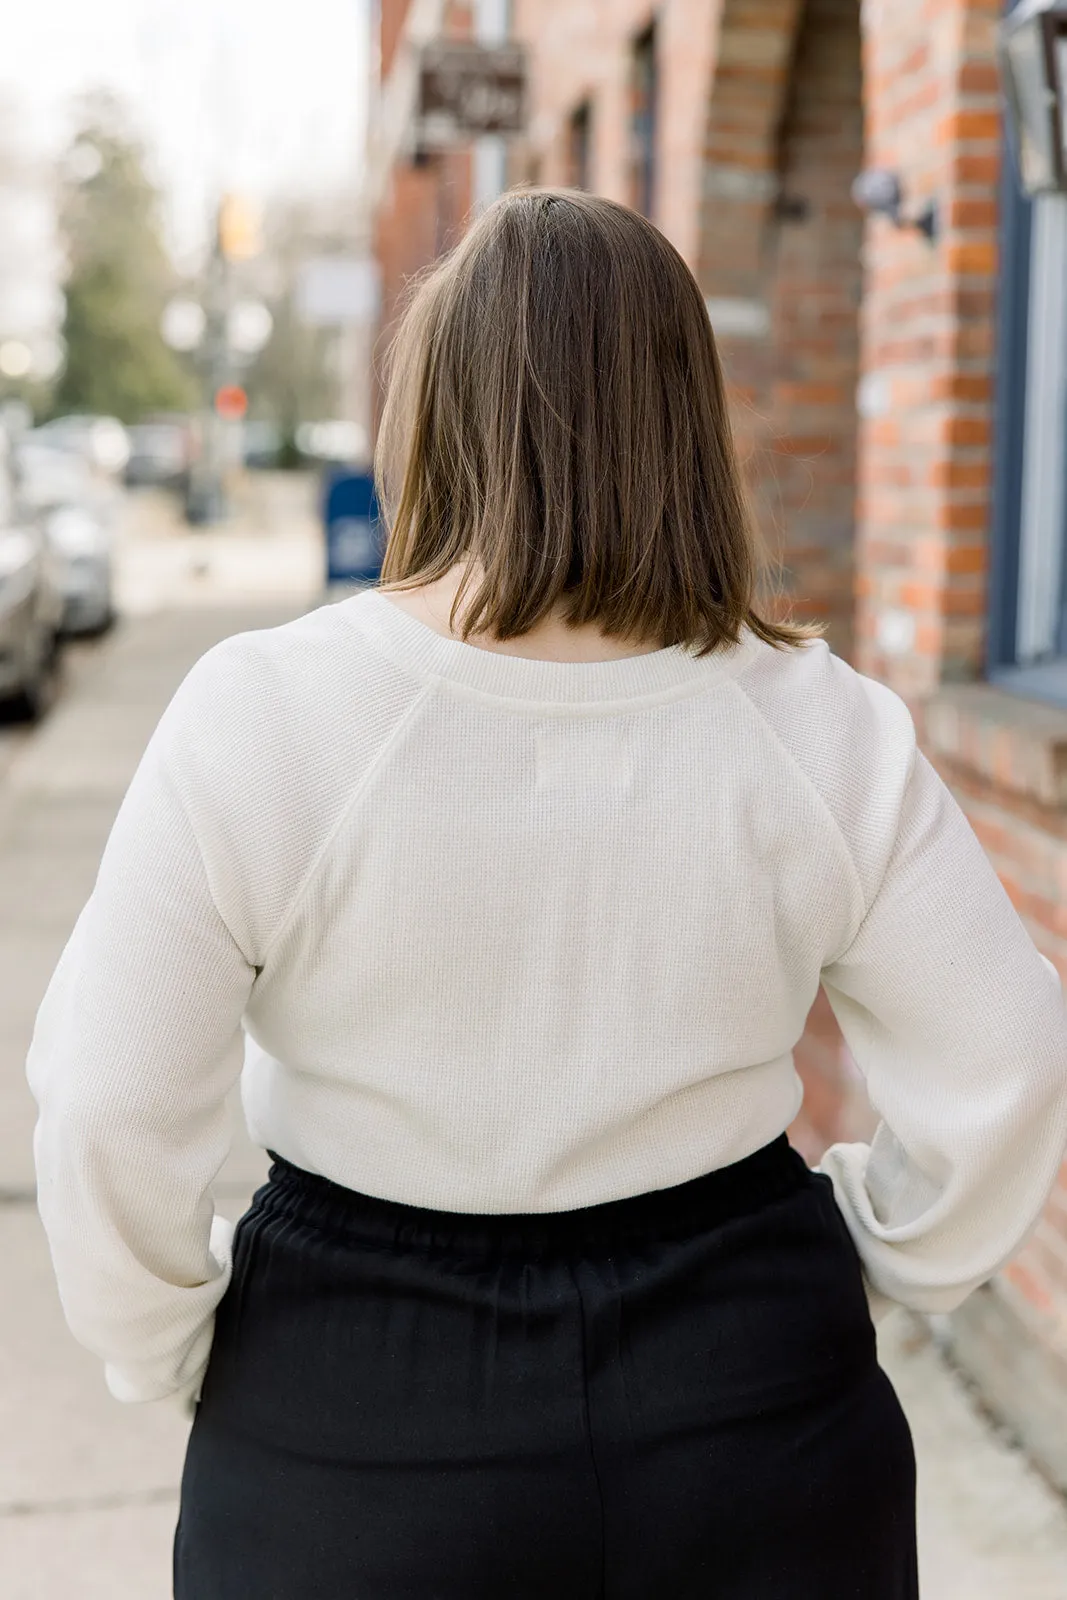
(262, 444)
(58, 490)
(160, 453)
(31, 606)
(103, 441)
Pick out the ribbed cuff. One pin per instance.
(145, 1384)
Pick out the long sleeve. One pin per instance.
(130, 1066)
(959, 1027)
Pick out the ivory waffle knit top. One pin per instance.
(513, 935)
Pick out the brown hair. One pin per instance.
(556, 412)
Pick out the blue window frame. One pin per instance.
(1027, 632)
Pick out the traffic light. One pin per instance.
(239, 232)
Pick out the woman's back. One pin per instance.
(522, 949)
(533, 935)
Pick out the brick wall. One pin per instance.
(585, 52)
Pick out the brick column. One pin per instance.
(928, 339)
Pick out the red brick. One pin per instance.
(973, 257)
(964, 430)
(970, 386)
(967, 558)
(965, 212)
(811, 394)
(919, 596)
(981, 171)
(962, 127)
(962, 516)
(957, 601)
(960, 473)
(980, 77)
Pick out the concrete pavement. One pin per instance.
(88, 1488)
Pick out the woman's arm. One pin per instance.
(131, 1063)
(959, 1026)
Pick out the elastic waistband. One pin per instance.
(717, 1197)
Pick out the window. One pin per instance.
(580, 148)
(1028, 581)
(643, 121)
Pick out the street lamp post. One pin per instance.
(206, 497)
(222, 332)
(1033, 54)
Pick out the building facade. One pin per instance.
(419, 200)
(900, 388)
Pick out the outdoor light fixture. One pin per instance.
(881, 193)
(1033, 60)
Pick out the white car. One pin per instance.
(102, 441)
(58, 489)
(30, 607)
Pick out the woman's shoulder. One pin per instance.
(849, 736)
(300, 673)
(813, 696)
(282, 717)
(266, 740)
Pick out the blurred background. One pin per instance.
(209, 214)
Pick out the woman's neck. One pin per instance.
(552, 639)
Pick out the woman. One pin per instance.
(522, 873)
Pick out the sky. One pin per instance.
(258, 96)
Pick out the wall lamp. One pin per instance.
(1033, 61)
(880, 192)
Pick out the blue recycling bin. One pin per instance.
(355, 535)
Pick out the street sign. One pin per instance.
(334, 290)
(467, 90)
(231, 402)
(355, 535)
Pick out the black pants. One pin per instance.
(673, 1397)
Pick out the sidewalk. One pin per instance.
(88, 1487)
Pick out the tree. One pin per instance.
(119, 277)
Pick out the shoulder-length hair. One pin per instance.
(556, 413)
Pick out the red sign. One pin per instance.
(231, 402)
